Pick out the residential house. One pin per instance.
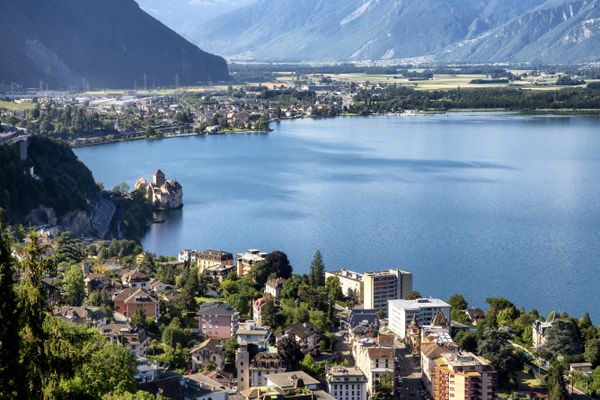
(91, 317)
(129, 301)
(135, 339)
(475, 315)
(582, 368)
(375, 360)
(292, 380)
(539, 330)
(136, 279)
(252, 371)
(208, 352)
(306, 335)
(218, 320)
(273, 287)
(257, 308)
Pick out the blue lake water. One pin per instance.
(485, 205)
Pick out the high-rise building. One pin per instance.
(379, 287)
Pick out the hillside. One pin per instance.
(477, 30)
(64, 183)
(108, 43)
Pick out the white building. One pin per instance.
(347, 383)
(401, 312)
(252, 333)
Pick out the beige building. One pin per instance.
(376, 361)
(212, 258)
(245, 261)
(351, 283)
(463, 376)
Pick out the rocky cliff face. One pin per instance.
(474, 30)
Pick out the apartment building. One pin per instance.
(374, 289)
(347, 383)
(375, 360)
(463, 376)
(211, 258)
(423, 310)
(245, 261)
(217, 320)
(379, 287)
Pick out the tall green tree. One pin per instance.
(317, 271)
(73, 286)
(9, 322)
(592, 352)
(564, 338)
(556, 383)
(495, 346)
(34, 313)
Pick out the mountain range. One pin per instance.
(108, 43)
(547, 31)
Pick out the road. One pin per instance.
(408, 368)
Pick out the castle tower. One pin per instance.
(159, 178)
(414, 336)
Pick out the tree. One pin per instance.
(458, 305)
(269, 314)
(173, 335)
(563, 338)
(9, 323)
(467, 341)
(275, 265)
(73, 286)
(139, 395)
(110, 367)
(290, 352)
(495, 346)
(592, 352)
(291, 286)
(122, 188)
(596, 381)
(34, 312)
(317, 271)
(556, 383)
(309, 365)
(413, 295)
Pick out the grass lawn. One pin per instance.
(15, 106)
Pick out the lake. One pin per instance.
(482, 204)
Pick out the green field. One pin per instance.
(8, 105)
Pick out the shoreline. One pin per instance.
(407, 114)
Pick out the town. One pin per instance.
(210, 324)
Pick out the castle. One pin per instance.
(162, 193)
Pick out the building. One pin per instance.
(463, 376)
(538, 332)
(245, 261)
(475, 315)
(401, 313)
(258, 306)
(273, 287)
(162, 193)
(252, 372)
(136, 279)
(129, 301)
(212, 258)
(375, 360)
(291, 380)
(189, 387)
(351, 283)
(347, 383)
(218, 273)
(218, 320)
(379, 287)
(251, 333)
(135, 339)
(306, 335)
(91, 317)
(208, 352)
(362, 322)
(582, 368)
(374, 289)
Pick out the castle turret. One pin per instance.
(159, 178)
